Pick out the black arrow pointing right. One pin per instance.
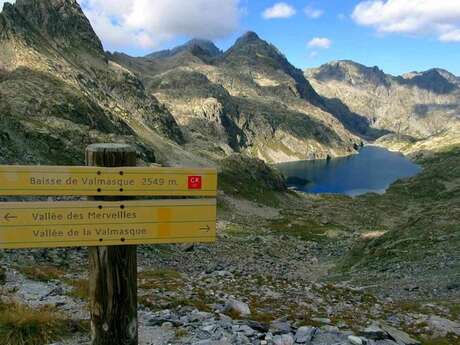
(206, 228)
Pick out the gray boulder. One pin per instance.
(284, 339)
(400, 337)
(443, 327)
(238, 307)
(305, 335)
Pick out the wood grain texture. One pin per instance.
(113, 270)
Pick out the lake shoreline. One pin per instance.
(373, 169)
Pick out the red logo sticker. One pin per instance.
(194, 182)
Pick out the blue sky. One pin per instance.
(395, 53)
(397, 35)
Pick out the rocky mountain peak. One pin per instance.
(436, 80)
(208, 46)
(253, 54)
(449, 76)
(203, 49)
(249, 36)
(350, 72)
(61, 22)
(252, 44)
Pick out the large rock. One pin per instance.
(382, 331)
(305, 334)
(280, 327)
(237, 307)
(374, 332)
(284, 339)
(354, 340)
(443, 327)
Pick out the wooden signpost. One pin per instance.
(93, 181)
(70, 224)
(111, 224)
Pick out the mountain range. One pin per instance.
(417, 105)
(195, 104)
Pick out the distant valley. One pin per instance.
(197, 103)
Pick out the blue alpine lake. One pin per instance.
(373, 169)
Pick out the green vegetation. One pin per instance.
(454, 309)
(80, 288)
(238, 230)
(21, 325)
(420, 214)
(165, 279)
(181, 332)
(42, 273)
(251, 179)
(439, 341)
(307, 229)
(198, 299)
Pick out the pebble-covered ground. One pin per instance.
(251, 287)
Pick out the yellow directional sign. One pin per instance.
(91, 181)
(75, 224)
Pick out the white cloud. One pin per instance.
(451, 36)
(312, 12)
(415, 17)
(145, 24)
(279, 10)
(320, 42)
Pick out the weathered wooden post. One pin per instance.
(113, 270)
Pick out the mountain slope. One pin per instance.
(57, 85)
(195, 104)
(249, 99)
(419, 105)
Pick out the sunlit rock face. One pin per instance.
(417, 104)
(59, 92)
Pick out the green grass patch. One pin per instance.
(305, 229)
(238, 230)
(455, 311)
(80, 288)
(21, 325)
(417, 215)
(251, 179)
(42, 273)
(450, 340)
(165, 279)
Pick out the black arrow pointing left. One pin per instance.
(8, 217)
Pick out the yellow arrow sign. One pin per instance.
(91, 181)
(75, 224)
